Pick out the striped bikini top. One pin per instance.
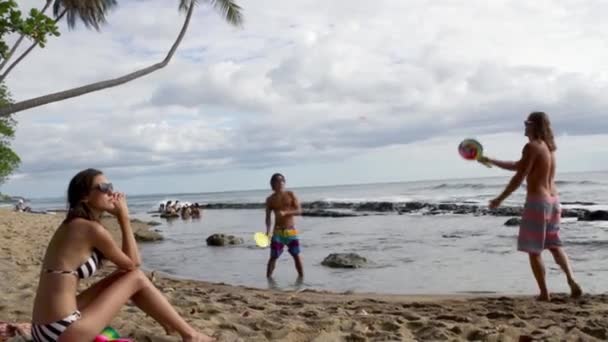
(87, 269)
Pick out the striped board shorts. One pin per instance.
(284, 237)
(539, 228)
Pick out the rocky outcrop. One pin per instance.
(597, 215)
(219, 240)
(512, 222)
(343, 209)
(146, 235)
(344, 260)
(329, 213)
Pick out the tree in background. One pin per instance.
(92, 13)
(9, 160)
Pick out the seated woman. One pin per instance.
(76, 251)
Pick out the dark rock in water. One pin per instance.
(328, 213)
(448, 207)
(344, 260)
(506, 211)
(415, 205)
(153, 223)
(579, 203)
(514, 221)
(376, 206)
(233, 206)
(223, 240)
(597, 215)
(169, 216)
(144, 235)
(462, 211)
(328, 205)
(579, 213)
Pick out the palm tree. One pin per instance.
(92, 13)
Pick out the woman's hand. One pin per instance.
(120, 209)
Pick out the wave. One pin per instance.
(476, 186)
(583, 182)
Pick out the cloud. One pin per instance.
(308, 82)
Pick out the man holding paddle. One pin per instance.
(285, 206)
(541, 215)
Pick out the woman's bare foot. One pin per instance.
(575, 290)
(198, 337)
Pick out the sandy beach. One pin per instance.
(233, 313)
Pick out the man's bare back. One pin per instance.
(541, 178)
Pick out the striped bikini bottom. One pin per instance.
(51, 332)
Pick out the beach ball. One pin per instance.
(107, 334)
(470, 149)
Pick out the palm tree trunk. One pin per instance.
(89, 88)
(26, 52)
(18, 42)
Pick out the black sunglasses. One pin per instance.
(104, 187)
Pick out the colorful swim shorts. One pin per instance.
(284, 237)
(539, 227)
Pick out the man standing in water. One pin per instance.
(285, 206)
(539, 227)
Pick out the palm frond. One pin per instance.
(92, 13)
(229, 10)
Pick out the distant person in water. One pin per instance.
(21, 207)
(285, 205)
(541, 215)
(76, 251)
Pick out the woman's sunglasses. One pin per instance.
(104, 187)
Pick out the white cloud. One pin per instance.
(308, 82)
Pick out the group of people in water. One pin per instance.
(176, 209)
(60, 314)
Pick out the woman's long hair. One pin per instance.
(541, 129)
(80, 186)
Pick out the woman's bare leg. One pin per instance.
(100, 311)
(87, 296)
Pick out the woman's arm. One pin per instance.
(102, 240)
(121, 211)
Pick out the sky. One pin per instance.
(327, 92)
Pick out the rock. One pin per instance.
(223, 240)
(144, 235)
(169, 216)
(328, 213)
(414, 205)
(506, 211)
(512, 222)
(448, 207)
(344, 260)
(376, 206)
(597, 215)
(153, 223)
(578, 213)
(579, 203)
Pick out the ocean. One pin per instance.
(408, 254)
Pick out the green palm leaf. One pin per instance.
(229, 10)
(92, 13)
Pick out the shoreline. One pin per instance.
(241, 313)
